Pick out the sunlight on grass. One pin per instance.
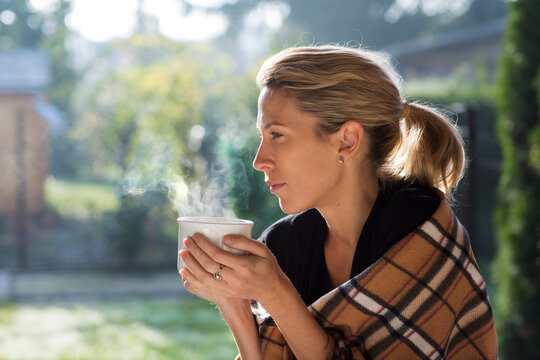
(79, 199)
(140, 329)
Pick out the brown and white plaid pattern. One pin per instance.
(424, 299)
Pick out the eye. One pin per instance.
(275, 135)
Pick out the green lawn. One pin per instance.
(79, 200)
(188, 328)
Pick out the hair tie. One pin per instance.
(405, 109)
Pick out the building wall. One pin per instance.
(14, 108)
(441, 62)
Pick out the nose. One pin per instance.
(262, 161)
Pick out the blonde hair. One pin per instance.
(407, 142)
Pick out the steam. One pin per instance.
(201, 191)
(205, 199)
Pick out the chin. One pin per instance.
(289, 208)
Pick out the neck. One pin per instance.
(349, 210)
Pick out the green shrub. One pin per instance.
(143, 230)
(516, 269)
(126, 231)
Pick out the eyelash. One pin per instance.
(274, 134)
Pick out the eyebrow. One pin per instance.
(270, 124)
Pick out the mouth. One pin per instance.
(274, 185)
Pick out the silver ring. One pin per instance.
(217, 275)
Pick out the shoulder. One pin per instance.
(408, 200)
(405, 208)
(278, 235)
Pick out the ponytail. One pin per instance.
(430, 150)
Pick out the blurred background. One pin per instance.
(116, 117)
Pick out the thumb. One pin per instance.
(240, 242)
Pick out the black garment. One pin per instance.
(297, 240)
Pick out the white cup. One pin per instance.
(214, 228)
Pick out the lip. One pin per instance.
(274, 185)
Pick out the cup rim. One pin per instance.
(212, 220)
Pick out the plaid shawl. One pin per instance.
(425, 298)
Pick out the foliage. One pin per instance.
(54, 42)
(518, 214)
(27, 28)
(127, 231)
(130, 225)
(138, 220)
(46, 31)
(137, 105)
(479, 12)
(466, 84)
(65, 156)
(376, 23)
(188, 328)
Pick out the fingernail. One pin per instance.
(228, 240)
(183, 254)
(195, 237)
(187, 243)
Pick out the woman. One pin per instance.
(371, 263)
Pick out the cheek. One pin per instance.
(308, 162)
(317, 171)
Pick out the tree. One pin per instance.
(375, 23)
(516, 269)
(19, 25)
(22, 26)
(137, 104)
(63, 75)
(149, 108)
(149, 111)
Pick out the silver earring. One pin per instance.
(341, 160)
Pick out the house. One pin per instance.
(25, 118)
(439, 56)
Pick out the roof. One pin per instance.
(23, 71)
(492, 29)
(51, 113)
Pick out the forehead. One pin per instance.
(277, 107)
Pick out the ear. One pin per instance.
(351, 137)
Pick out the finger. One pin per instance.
(193, 265)
(185, 274)
(215, 253)
(201, 256)
(199, 274)
(240, 242)
(196, 287)
(190, 282)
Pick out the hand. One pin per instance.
(198, 279)
(256, 275)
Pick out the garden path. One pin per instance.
(34, 286)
